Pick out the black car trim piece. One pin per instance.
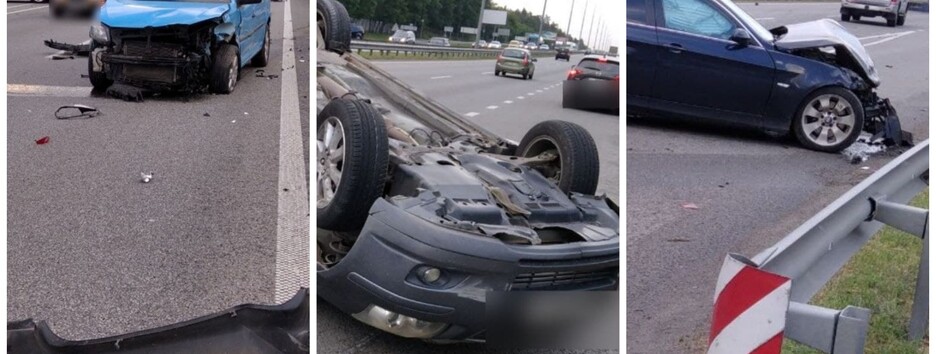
(389, 296)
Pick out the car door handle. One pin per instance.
(675, 48)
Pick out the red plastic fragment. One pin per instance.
(42, 141)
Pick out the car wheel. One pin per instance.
(845, 17)
(892, 22)
(262, 58)
(856, 18)
(98, 79)
(829, 119)
(335, 25)
(901, 19)
(224, 69)
(576, 167)
(352, 167)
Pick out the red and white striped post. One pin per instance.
(750, 309)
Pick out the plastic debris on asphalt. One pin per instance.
(126, 92)
(690, 206)
(76, 111)
(862, 149)
(42, 141)
(146, 177)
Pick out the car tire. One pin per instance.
(263, 57)
(578, 166)
(856, 18)
(333, 21)
(901, 19)
(363, 168)
(225, 68)
(845, 17)
(98, 80)
(892, 22)
(839, 93)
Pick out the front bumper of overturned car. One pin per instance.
(386, 270)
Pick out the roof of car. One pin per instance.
(517, 48)
(599, 57)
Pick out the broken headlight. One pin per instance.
(98, 32)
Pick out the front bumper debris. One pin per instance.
(882, 123)
(241, 329)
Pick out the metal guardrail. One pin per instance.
(428, 50)
(811, 254)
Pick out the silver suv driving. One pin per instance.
(895, 11)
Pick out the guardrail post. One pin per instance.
(912, 220)
(828, 330)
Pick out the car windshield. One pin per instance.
(755, 26)
(399, 34)
(513, 53)
(605, 67)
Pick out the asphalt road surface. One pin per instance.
(508, 106)
(93, 250)
(750, 189)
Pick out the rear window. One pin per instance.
(605, 67)
(518, 54)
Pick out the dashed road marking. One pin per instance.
(508, 101)
(487, 72)
(530, 94)
(441, 77)
(539, 91)
(520, 97)
(895, 36)
(471, 114)
(29, 9)
(491, 107)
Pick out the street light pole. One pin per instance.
(569, 27)
(591, 28)
(582, 27)
(480, 23)
(542, 17)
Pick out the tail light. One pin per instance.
(573, 73)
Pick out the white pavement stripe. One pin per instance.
(539, 91)
(292, 222)
(29, 9)
(530, 94)
(487, 72)
(48, 91)
(18, 6)
(491, 107)
(471, 114)
(756, 325)
(441, 77)
(895, 36)
(508, 101)
(520, 97)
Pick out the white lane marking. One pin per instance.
(508, 101)
(48, 91)
(441, 77)
(487, 72)
(18, 6)
(293, 221)
(520, 97)
(895, 36)
(539, 91)
(764, 18)
(471, 114)
(530, 94)
(491, 107)
(29, 9)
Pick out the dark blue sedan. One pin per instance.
(710, 59)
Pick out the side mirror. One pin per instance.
(741, 36)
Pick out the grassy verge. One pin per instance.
(880, 277)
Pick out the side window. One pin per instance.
(697, 17)
(637, 11)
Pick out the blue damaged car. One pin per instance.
(178, 45)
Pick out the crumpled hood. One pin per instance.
(825, 33)
(144, 13)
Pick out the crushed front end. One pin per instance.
(169, 58)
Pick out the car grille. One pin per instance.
(153, 49)
(565, 279)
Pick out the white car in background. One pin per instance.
(494, 45)
(894, 11)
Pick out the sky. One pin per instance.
(610, 13)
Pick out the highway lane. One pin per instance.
(750, 189)
(469, 87)
(95, 252)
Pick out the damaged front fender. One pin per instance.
(224, 32)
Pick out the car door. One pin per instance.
(251, 30)
(700, 65)
(641, 48)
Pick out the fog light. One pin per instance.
(430, 275)
(403, 326)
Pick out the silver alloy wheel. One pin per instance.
(539, 145)
(232, 73)
(266, 45)
(331, 150)
(828, 120)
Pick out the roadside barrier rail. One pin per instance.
(429, 51)
(760, 300)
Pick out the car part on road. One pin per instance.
(574, 166)
(352, 166)
(146, 177)
(811, 255)
(334, 25)
(42, 141)
(126, 92)
(76, 49)
(247, 328)
(76, 111)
